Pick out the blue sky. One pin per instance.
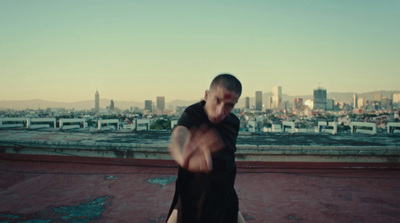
(138, 50)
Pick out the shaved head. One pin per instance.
(229, 82)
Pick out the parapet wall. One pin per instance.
(120, 146)
(302, 154)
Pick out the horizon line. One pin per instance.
(270, 92)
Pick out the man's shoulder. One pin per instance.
(192, 115)
(232, 119)
(195, 108)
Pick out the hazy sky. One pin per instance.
(137, 50)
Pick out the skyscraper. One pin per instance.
(320, 99)
(355, 100)
(360, 102)
(259, 100)
(276, 96)
(396, 98)
(330, 104)
(97, 100)
(148, 105)
(247, 105)
(161, 103)
(270, 103)
(386, 102)
(112, 104)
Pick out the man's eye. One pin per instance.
(218, 101)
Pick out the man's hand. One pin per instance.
(197, 150)
(192, 149)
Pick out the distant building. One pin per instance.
(276, 96)
(259, 101)
(270, 103)
(134, 109)
(360, 102)
(378, 96)
(284, 105)
(161, 103)
(330, 104)
(148, 105)
(298, 103)
(320, 98)
(112, 105)
(396, 98)
(355, 100)
(247, 105)
(386, 102)
(97, 101)
(309, 103)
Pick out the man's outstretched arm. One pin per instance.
(192, 149)
(179, 137)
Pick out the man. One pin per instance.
(203, 144)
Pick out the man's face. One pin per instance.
(219, 103)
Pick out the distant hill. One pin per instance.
(89, 104)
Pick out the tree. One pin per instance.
(161, 124)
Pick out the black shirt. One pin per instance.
(209, 197)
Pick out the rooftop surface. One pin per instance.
(128, 191)
(45, 177)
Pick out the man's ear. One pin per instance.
(206, 95)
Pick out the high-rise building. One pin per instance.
(360, 102)
(396, 98)
(386, 102)
(259, 100)
(320, 98)
(298, 103)
(270, 103)
(247, 105)
(378, 96)
(355, 100)
(148, 105)
(97, 100)
(112, 105)
(276, 95)
(284, 105)
(330, 104)
(161, 103)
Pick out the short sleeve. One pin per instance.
(186, 119)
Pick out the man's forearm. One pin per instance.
(179, 137)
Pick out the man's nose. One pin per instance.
(220, 110)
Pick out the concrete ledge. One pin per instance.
(153, 146)
(81, 150)
(348, 154)
(319, 154)
(321, 150)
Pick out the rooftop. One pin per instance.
(71, 191)
(74, 176)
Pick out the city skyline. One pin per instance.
(104, 101)
(133, 51)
